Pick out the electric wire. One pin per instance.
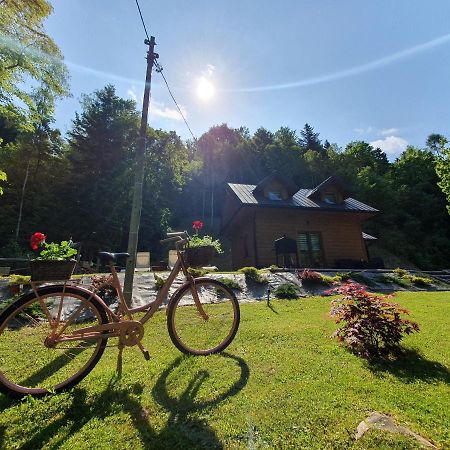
(142, 19)
(159, 69)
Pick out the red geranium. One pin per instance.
(197, 225)
(36, 240)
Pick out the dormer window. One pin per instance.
(330, 198)
(274, 195)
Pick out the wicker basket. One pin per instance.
(198, 256)
(51, 270)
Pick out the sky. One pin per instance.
(376, 71)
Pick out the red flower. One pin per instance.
(197, 225)
(36, 240)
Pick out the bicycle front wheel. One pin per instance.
(40, 352)
(203, 318)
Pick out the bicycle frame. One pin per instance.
(118, 326)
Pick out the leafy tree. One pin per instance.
(443, 172)
(27, 53)
(3, 177)
(33, 162)
(101, 148)
(436, 143)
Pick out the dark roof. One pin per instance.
(259, 188)
(328, 182)
(301, 199)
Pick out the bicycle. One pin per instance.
(54, 335)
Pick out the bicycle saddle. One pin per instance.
(107, 258)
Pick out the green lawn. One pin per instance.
(283, 384)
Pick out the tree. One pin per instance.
(310, 140)
(101, 148)
(27, 53)
(436, 143)
(443, 172)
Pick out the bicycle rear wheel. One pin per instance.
(207, 327)
(30, 362)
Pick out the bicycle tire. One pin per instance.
(189, 331)
(34, 368)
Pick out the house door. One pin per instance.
(310, 249)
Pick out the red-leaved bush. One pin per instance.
(310, 275)
(369, 324)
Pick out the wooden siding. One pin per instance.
(340, 231)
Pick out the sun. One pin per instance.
(205, 90)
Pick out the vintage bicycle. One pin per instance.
(53, 336)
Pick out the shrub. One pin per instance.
(369, 324)
(230, 283)
(421, 281)
(102, 287)
(18, 279)
(253, 274)
(362, 279)
(343, 276)
(197, 272)
(312, 277)
(286, 290)
(273, 268)
(159, 282)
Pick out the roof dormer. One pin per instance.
(331, 191)
(274, 188)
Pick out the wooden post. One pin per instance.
(139, 177)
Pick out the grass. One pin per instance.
(283, 384)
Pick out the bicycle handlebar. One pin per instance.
(175, 236)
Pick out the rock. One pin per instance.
(383, 422)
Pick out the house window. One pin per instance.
(274, 195)
(330, 197)
(310, 249)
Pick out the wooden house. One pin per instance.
(324, 223)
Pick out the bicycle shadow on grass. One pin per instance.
(410, 365)
(181, 430)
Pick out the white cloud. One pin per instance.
(391, 145)
(160, 110)
(389, 131)
(368, 130)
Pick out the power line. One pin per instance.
(142, 19)
(159, 69)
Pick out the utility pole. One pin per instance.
(139, 176)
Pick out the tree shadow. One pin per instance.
(410, 365)
(181, 431)
(2, 437)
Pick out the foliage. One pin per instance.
(312, 277)
(253, 274)
(159, 282)
(369, 324)
(403, 278)
(443, 172)
(232, 284)
(286, 290)
(343, 276)
(273, 268)
(27, 54)
(205, 241)
(197, 272)
(3, 177)
(18, 279)
(52, 251)
(101, 284)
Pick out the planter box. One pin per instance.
(51, 270)
(198, 256)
